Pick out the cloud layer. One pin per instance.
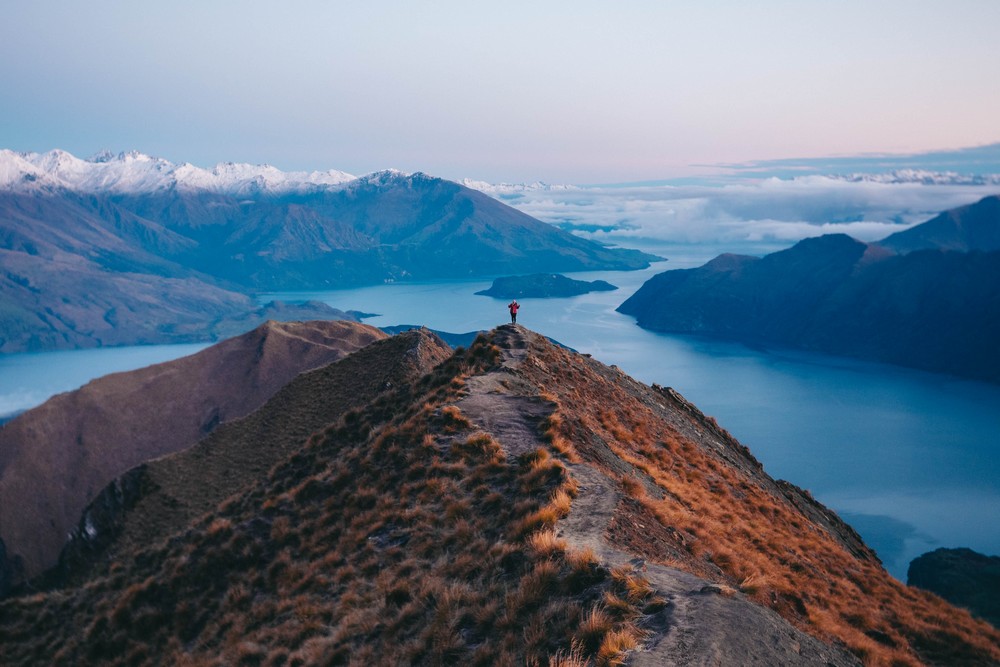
(748, 217)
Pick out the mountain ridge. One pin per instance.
(163, 495)
(55, 458)
(518, 503)
(132, 171)
(964, 229)
(87, 256)
(915, 299)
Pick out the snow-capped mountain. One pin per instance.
(922, 177)
(87, 245)
(513, 188)
(135, 172)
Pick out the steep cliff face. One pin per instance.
(519, 503)
(56, 458)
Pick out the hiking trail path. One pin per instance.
(700, 626)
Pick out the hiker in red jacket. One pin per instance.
(512, 307)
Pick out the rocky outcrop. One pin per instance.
(100, 525)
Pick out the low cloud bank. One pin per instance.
(741, 217)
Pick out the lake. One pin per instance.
(908, 458)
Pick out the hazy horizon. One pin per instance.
(563, 92)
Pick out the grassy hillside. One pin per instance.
(164, 495)
(55, 458)
(520, 504)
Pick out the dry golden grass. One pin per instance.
(615, 645)
(763, 545)
(546, 544)
(400, 536)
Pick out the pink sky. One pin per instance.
(518, 91)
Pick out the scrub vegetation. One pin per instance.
(408, 533)
(708, 508)
(399, 535)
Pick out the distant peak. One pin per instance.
(385, 174)
(389, 177)
(513, 188)
(137, 172)
(101, 156)
(135, 155)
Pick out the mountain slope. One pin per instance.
(249, 220)
(382, 227)
(163, 495)
(963, 577)
(936, 310)
(91, 249)
(55, 458)
(975, 227)
(519, 504)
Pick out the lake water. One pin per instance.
(908, 458)
(26, 380)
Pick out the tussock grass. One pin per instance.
(545, 543)
(733, 525)
(398, 536)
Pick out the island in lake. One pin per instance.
(543, 286)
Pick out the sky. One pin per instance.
(564, 92)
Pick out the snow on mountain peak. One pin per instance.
(513, 188)
(104, 155)
(921, 177)
(384, 177)
(136, 172)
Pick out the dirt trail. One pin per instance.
(495, 404)
(699, 626)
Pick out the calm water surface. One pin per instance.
(26, 380)
(908, 458)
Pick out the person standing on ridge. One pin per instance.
(512, 307)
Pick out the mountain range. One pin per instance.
(130, 248)
(512, 502)
(134, 172)
(927, 297)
